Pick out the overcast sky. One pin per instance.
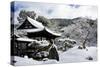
(50, 10)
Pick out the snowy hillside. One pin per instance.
(72, 55)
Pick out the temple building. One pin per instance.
(37, 37)
(36, 30)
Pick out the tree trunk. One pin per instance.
(84, 45)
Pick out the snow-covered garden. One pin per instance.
(40, 40)
(72, 55)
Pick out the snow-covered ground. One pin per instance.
(29, 61)
(79, 55)
(72, 55)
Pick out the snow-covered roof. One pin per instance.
(15, 35)
(39, 27)
(25, 39)
(38, 30)
(31, 30)
(52, 32)
(35, 23)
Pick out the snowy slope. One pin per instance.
(78, 55)
(72, 55)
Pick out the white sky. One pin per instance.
(48, 10)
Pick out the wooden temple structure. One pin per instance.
(35, 31)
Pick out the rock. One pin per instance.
(80, 47)
(89, 58)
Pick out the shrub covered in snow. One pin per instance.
(65, 43)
